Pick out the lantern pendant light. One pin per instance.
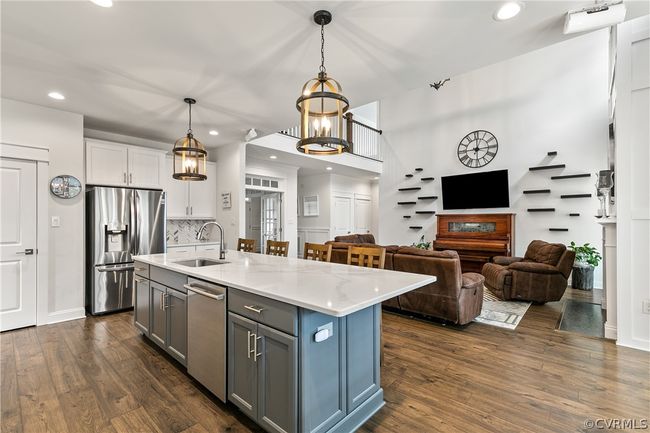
(322, 106)
(189, 154)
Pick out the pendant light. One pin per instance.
(189, 153)
(322, 105)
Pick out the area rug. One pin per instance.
(503, 314)
(582, 318)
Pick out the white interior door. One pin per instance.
(342, 223)
(362, 214)
(254, 220)
(17, 244)
(271, 217)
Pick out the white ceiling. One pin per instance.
(127, 68)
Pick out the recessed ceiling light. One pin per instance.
(56, 95)
(328, 168)
(273, 157)
(103, 3)
(213, 132)
(508, 10)
(376, 178)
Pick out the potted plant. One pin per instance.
(587, 258)
(422, 244)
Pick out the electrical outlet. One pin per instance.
(646, 306)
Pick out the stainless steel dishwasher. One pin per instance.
(206, 335)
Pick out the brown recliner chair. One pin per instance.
(540, 276)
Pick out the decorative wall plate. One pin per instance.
(65, 186)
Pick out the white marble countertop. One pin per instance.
(191, 244)
(329, 288)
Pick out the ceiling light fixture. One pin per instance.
(322, 105)
(190, 155)
(56, 95)
(213, 132)
(328, 168)
(508, 10)
(103, 3)
(273, 157)
(602, 14)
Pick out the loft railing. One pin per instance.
(364, 140)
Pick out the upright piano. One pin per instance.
(476, 237)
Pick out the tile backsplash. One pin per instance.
(184, 231)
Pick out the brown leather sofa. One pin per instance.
(540, 276)
(455, 297)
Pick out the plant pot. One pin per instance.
(582, 277)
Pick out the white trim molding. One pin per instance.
(66, 315)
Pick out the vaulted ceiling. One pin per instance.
(127, 68)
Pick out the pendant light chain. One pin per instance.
(322, 46)
(189, 129)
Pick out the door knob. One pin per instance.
(27, 252)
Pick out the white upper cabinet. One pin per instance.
(191, 199)
(114, 164)
(106, 164)
(146, 167)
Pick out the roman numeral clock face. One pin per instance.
(477, 149)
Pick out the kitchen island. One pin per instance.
(302, 338)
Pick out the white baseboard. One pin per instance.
(65, 315)
(610, 332)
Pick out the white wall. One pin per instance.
(320, 185)
(633, 182)
(62, 133)
(231, 166)
(288, 176)
(553, 99)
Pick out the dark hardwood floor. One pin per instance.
(100, 375)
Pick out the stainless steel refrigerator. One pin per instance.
(120, 223)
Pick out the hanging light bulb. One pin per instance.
(322, 106)
(190, 156)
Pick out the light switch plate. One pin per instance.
(646, 306)
(56, 221)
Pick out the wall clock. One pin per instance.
(477, 149)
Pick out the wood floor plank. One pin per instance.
(82, 412)
(135, 421)
(10, 419)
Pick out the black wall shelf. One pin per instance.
(552, 153)
(537, 191)
(414, 188)
(425, 212)
(426, 179)
(575, 196)
(406, 216)
(419, 169)
(570, 176)
(406, 202)
(428, 197)
(415, 227)
(547, 167)
(574, 214)
(408, 175)
(556, 229)
(541, 209)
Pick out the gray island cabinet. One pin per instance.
(302, 338)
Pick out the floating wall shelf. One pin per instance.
(408, 175)
(419, 169)
(547, 167)
(575, 196)
(406, 216)
(426, 179)
(425, 212)
(428, 197)
(570, 176)
(574, 214)
(553, 153)
(415, 188)
(406, 202)
(542, 209)
(555, 229)
(415, 227)
(537, 191)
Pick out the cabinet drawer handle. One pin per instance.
(255, 347)
(140, 269)
(249, 351)
(130, 177)
(254, 308)
(125, 177)
(162, 302)
(140, 279)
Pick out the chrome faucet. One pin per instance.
(222, 247)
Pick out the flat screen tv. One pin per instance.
(476, 191)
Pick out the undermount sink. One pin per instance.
(199, 263)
